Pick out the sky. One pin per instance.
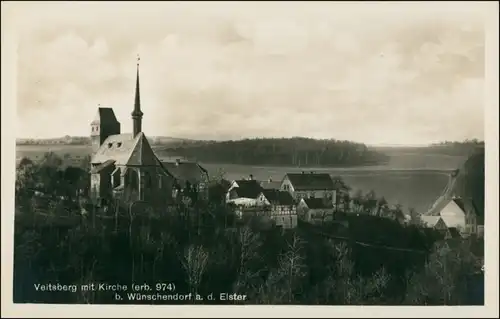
(368, 72)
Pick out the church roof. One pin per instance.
(125, 149)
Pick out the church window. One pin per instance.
(109, 145)
(119, 144)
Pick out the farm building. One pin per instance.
(309, 185)
(270, 184)
(315, 210)
(188, 174)
(460, 214)
(244, 192)
(124, 167)
(281, 206)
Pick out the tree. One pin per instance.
(444, 279)
(194, 262)
(381, 203)
(249, 243)
(291, 268)
(414, 217)
(370, 201)
(358, 199)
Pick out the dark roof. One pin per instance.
(459, 202)
(311, 181)
(277, 197)
(271, 184)
(317, 203)
(186, 171)
(248, 188)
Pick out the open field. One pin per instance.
(413, 179)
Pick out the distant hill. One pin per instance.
(85, 140)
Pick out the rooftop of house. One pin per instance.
(311, 181)
(277, 197)
(430, 221)
(125, 149)
(317, 203)
(184, 172)
(270, 184)
(248, 188)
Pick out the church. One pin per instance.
(124, 167)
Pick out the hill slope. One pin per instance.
(467, 182)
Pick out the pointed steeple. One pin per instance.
(137, 113)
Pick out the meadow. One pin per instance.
(411, 178)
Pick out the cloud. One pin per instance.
(232, 71)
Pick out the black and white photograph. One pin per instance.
(250, 153)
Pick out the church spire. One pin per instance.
(137, 113)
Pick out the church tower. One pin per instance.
(103, 125)
(137, 113)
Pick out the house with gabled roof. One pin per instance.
(309, 185)
(124, 167)
(459, 213)
(315, 210)
(244, 192)
(281, 207)
(188, 175)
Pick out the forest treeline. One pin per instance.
(205, 249)
(297, 151)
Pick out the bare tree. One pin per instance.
(194, 263)
(249, 245)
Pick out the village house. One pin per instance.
(460, 214)
(189, 177)
(281, 207)
(124, 168)
(271, 184)
(434, 222)
(244, 192)
(309, 185)
(315, 210)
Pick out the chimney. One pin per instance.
(177, 161)
(251, 177)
